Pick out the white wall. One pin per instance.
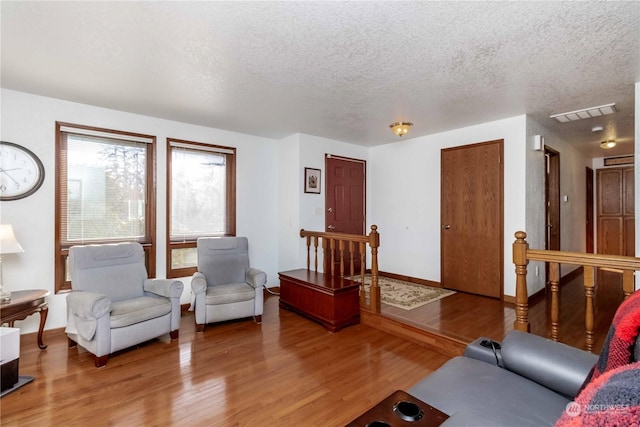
(405, 196)
(573, 166)
(29, 120)
(289, 256)
(297, 208)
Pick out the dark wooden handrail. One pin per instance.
(625, 265)
(347, 246)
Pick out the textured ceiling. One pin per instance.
(341, 70)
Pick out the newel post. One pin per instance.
(374, 291)
(520, 247)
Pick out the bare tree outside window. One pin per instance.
(201, 185)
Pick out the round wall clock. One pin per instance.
(21, 171)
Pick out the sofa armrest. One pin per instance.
(485, 350)
(164, 287)
(554, 365)
(255, 277)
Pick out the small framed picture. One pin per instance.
(312, 180)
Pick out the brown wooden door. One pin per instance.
(616, 211)
(589, 209)
(552, 199)
(551, 203)
(472, 218)
(345, 198)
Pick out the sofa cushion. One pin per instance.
(136, 310)
(496, 396)
(225, 294)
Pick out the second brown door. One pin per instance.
(472, 219)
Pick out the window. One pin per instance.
(104, 191)
(201, 200)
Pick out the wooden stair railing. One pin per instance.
(347, 246)
(625, 265)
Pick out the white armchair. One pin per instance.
(113, 305)
(225, 287)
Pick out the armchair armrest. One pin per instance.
(164, 287)
(88, 305)
(552, 364)
(198, 283)
(85, 310)
(256, 277)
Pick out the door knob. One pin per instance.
(331, 227)
(446, 226)
(330, 209)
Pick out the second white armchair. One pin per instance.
(225, 287)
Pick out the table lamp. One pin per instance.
(8, 245)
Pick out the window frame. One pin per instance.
(148, 241)
(231, 154)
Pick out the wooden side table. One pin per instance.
(22, 305)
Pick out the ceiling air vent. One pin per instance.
(585, 113)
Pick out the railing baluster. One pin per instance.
(315, 244)
(341, 252)
(351, 257)
(628, 285)
(374, 291)
(588, 311)
(554, 276)
(333, 256)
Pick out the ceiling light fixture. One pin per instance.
(608, 145)
(585, 113)
(400, 128)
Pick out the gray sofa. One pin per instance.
(524, 381)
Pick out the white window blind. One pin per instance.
(198, 192)
(106, 187)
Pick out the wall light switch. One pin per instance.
(565, 198)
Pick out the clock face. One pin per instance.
(21, 171)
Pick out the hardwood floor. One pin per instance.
(287, 371)
(466, 317)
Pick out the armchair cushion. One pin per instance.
(102, 266)
(226, 294)
(136, 310)
(223, 260)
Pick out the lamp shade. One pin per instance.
(8, 242)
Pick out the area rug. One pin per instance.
(405, 295)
